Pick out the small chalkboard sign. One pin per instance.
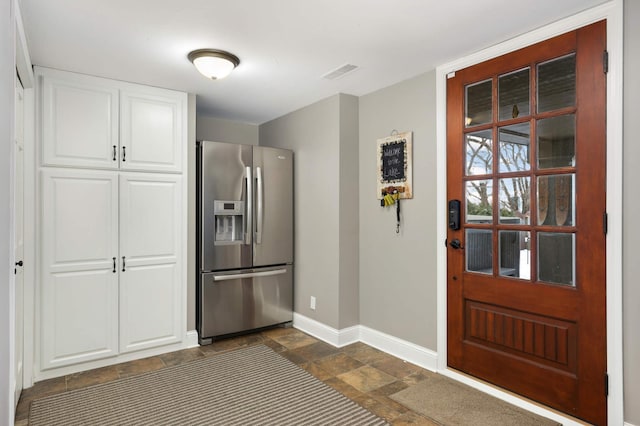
(394, 165)
(393, 161)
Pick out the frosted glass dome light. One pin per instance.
(214, 64)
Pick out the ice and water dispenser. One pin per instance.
(229, 222)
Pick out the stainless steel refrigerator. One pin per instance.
(245, 238)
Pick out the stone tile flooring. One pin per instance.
(363, 374)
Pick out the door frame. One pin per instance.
(24, 69)
(612, 12)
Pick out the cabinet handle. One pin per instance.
(114, 265)
(123, 264)
(124, 154)
(115, 152)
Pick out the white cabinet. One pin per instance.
(79, 285)
(149, 128)
(112, 221)
(150, 237)
(99, 123)
(109, 286)
(79, 121)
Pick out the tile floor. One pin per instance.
(363, 374)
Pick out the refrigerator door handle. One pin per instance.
(259, 205)
(248, 222)
(249, 275)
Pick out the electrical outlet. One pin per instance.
(312, 303)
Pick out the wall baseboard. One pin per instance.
(191, 339)
(399, 348)
(337, 338)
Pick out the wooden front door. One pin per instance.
(526, 261)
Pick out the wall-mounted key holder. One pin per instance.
(389, 199)
(395, 165)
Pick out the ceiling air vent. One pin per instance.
(340, 71)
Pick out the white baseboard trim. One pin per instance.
(191, 339)
(338, 338)
(628, 424)
(399, 348)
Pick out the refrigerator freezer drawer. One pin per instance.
(245, 300)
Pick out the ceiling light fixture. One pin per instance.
(212, 63)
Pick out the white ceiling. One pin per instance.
(285, 46)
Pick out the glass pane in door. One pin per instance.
(514, 148)
(514, 200)
(556, 200)
(557, 83)
(513, 94)
(556, 258)
(479, 251)
(515, 254)
(479, 153)
(479, 203)
(557, 142)
(478, 103)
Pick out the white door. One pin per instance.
(79, 290)
(150, 277)
(19, 239)
(79, 120)
(151, 130)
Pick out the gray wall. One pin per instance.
(314, 134)
(349, 291)
(631, 206)
(7, 75)
(398, 271)
(221, 130)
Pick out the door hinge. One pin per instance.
(605, 62)
(605, 223)
(606, 384)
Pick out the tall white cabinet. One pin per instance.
(112, 210)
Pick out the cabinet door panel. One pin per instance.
(151, 131)
(79, 286)
(150, 211)
(149, 306)
(151, 288)
(79, 317)
(79, 216)
(79, 121)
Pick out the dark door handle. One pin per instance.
(124, 153)
(456, 244)
(114, 265)
(123, 264)
(19, 263)
(115, 152)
